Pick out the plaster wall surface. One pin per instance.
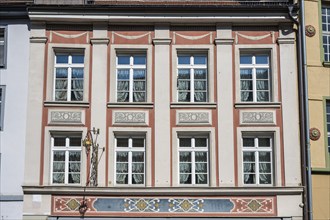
(12, 137)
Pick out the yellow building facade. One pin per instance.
(317, 14)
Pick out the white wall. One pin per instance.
(12, 138)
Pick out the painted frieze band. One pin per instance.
(66, 117)
(130, 117)
(257, 117)
(245, 206)
(193, 117)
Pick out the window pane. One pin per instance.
(262, 73)
(59, 141)
(139, 60)
(74, 156)
(58, 177)
(122, 142)
(200, 97)
(265, 178)
(139, 74)
(122, 74)
(74, 178)
(75, 141)
(138, 156)
(74, 167)
(264, 156)
(249, 179)
(262, 96)
(200, 73)
(246, 85)
(201, 157)
(249, 167)
(184, 85)
(262, 85)
(139, 97)
(58, 166)
(246, 96)
(122, 179)
(123, 60)
(122, 168)
(264, 142)
(200, 60)
(77, 58)
(265, 168)
(184, 96)
(245, 59)
(78, 73)
(200, 142)
(262, 59)
(185, 167)
(184, 74)
(185, 178)
(201, 178)
(62, 58)
(185, 142)
(138, 167)
(61, 73)
(183, 60)
(248, 157)
(122, 157)
(138, 142)
(201, 167)
(138, 179)
(248, 142)
(185, 156)
(246, 73)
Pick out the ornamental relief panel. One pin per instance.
(130, 117)
(196, 117)
(66, 117)
(257, 117)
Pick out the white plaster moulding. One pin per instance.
(130, 105)
(44, 16)
(194, 105)
(285, 40)
(66, 104)
(224, 41)
(258, 105)
(100, 41)
(158, 191)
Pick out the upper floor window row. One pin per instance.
(192, 76)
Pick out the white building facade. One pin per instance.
(14, 69)
(196, 106)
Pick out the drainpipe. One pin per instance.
(304, 112)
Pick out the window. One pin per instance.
(130, 160)
(328, 122)
(66, 159)
(192, 78)
(69, 77)
(131, 77)
(326, 32)
(257, 160)
(2, 105)
(254, 78)
(193, 160)
(3, 47)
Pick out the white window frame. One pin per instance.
(271, 50)
(193, 149)
(191, 66)
(2, 106)
(4, 43)
(130, 149)
(326, 31)
(327, 114)
(67, 148)
(69, 66)
(131, 66)
(254, 67)
(256, 149)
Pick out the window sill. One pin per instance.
(326, 64)
(193, 105)
(258, 105)
(66, 104)
(130, 105)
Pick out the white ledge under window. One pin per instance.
(66, 104)
(257, 105)
(193, 105)
(130, 105)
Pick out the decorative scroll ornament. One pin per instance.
(257, 117)
(141, 205)
(314, 134)
(186, 205)
(191, 37)
(310, 30)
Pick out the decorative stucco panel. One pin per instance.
(257, 117)
(130, 117)
(193, 117)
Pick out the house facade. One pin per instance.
(318, 64)
(162, 109)
(14, 69)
